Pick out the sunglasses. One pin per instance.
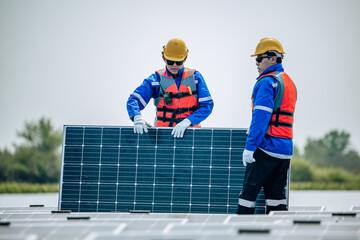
(260, 58)
(178, 63)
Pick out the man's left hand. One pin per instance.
(179, 129)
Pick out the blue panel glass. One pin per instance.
(218, 209)
(163, 175)
(128, 137)
(114, 169)
(128, 155)
(111, 137)
(236, 157)
(144, 193)
(90, 173)
(202, 138)
(183, 156)
(200, 195)
(162, 208)
(146, 155)
(202, 156)
(185, 208)
(89, 192)
(91, 154)
(71, 173)
(219, 176)
(109, 155)
(144, 207)
(108, 173)
(107, 193)
(220, 158)
(162, 194)
(195, 208)
(106, 207)
(73, 206)
(236, 176)
(92, 136)
(73, 154)
(221, 139)
(181, 195)
(201, 176)
(126, 193)
(218, 195)
(70, 191)
(124, 207)
(238, 138)
(187, 140)
(182, 175)
(74, 136)
(127, 174)
(149, 139)
(164, 156)
(165, 139)
(88, 207)
(145, 174)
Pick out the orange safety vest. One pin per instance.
(173, 104)
(282, 119)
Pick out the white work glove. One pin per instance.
(179, 129)
(248, 157)
(140, 125)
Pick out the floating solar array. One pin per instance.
(108, 169)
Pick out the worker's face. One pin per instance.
(173, 66)
(263, 62)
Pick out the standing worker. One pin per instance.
(180, 94)
(269, 144)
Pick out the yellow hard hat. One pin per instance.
(175, 50)
(268, 44)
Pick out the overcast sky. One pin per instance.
(77, 61)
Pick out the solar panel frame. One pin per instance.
(169, 175)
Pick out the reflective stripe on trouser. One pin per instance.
(270, 173)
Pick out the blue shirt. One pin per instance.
(150, 89)
(264, 94)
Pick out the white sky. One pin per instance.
(77, 61)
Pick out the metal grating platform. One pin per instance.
(41, 223)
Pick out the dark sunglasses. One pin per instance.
(260, 58)
(178, 63)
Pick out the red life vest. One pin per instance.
(174, 105)
(282, 119)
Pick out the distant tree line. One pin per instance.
(328, 159)
(37, 159)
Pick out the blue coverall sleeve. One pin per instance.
(263, 101)
(142, 95)
(205, 102)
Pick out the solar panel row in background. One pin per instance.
(108, 169)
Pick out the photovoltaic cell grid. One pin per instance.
(108, 169)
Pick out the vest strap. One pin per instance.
(173, 118)
(282, 124)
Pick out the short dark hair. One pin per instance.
(272, 54)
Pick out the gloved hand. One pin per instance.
(248, 157)
(140, 125)
(179, 129)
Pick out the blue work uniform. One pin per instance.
(150, 88)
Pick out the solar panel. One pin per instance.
(107, 168)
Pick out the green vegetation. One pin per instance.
(327, 163)
(15, 187)
(34, 166)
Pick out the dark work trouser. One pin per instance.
(270, 173)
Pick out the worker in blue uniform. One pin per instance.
(269, 144)
(180, 94)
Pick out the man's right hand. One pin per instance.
(140, 125)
